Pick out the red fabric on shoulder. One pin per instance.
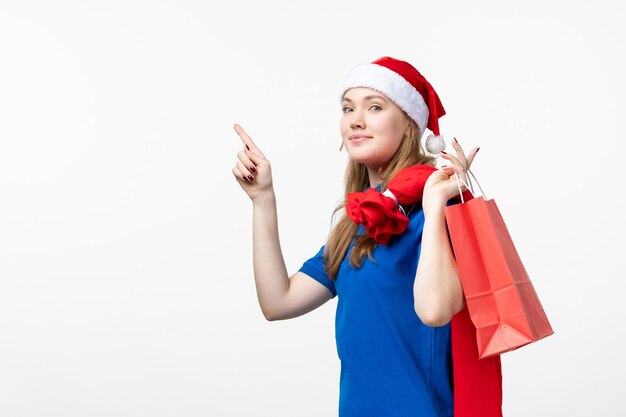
(378, 213)
(408, 184)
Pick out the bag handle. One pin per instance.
(470, 187)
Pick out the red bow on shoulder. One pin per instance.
(379, 213)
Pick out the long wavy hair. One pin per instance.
(410, 152)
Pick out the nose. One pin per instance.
(357, 120)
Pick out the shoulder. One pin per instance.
(314, 268)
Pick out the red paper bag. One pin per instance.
(500, 298)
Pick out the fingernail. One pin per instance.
(250, 177)
(455, 140)
(245, 179)
(445, 153)
(247, 146)
(253, 169)
(478, 149)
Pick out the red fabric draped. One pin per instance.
(477, 382)
(379, 214)
(408, 184)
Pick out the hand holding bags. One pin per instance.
(501, 300)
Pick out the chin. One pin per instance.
(364, 160)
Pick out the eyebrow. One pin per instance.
(367, 98)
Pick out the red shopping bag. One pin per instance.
(500, 298)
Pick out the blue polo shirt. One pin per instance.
(392, 365)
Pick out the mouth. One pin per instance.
(358, 138)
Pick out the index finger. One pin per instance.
(247, 140)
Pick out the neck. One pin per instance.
(374, 175)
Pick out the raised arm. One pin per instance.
(438, 293)
(280, 297)
(437, 290)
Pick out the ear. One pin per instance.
(408, 125)
(406, 131)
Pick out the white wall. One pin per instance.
(126, 283)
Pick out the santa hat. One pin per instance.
(407, 88)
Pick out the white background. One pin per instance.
(126, 284)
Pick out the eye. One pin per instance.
(344, 109)
(376, 105)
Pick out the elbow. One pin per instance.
(436, 321)
(433, 317)
(270, 317)
(273, 315)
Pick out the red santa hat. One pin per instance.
(407, 88)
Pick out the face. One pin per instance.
(371, 126)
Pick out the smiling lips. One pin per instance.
(359, 137)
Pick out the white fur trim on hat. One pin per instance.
(391, 84)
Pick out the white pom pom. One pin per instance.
(435, 144)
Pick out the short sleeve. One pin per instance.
(314, 267)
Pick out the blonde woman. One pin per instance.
(401, 310)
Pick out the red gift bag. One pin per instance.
(500, 298)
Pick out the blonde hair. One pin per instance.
(410, 152)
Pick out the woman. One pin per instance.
(397, 300)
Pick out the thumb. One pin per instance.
(447, 169)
